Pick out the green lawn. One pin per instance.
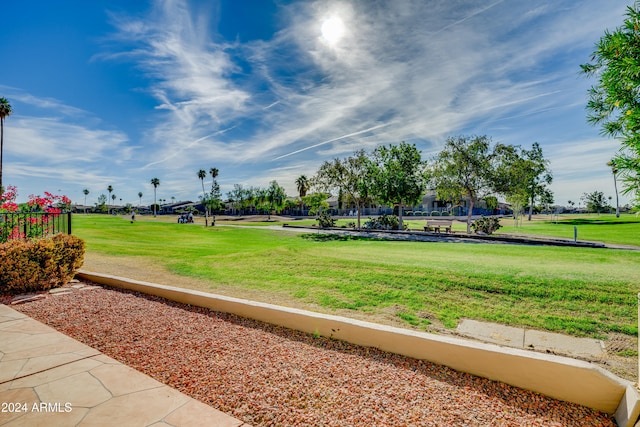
(574, 290)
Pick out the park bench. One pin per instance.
(438, 224)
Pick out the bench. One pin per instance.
(437, 225)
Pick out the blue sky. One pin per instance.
(118, 92)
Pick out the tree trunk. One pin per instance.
(358, 213)
(400, 206)
(531, 208)
(469, 215)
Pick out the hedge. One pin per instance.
(39, 265)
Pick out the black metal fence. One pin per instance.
(33, 225)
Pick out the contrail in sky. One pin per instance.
(175, 153)
(332, 140)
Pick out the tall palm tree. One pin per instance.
(215, 194)
(614, 169)
(86, 193)
(155, 182)
(303, 185)
(5, 110)
(109, 189)
(202, 174)
(140, 198)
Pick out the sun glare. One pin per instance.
(332, 30)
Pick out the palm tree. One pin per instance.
(214, 200)
(86, 193)
(614, 169)
(202, 174)
(155, 182)
(140, 198)
(113, 199)
(109, 189)
(5, 110)
(303, 186)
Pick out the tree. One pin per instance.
(155, 182)
(614, 170)
(101, 205)
(302, 184)
(215, 198)
(397, 176)
(522, 175)
(614, 103)
(316, 202)
(86, 193)
(275, 196)
(238, 197)
(202, 174)
(5, 111)
(349, 175)
(110, 190)
(465, 168)
(139, 198)
(595, 201)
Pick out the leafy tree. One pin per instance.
(5, 111)
(465, 168)
(397, 175)
(522, 175)
(316, 202)
(238, 197)
(349, 175)
(155, 182)
(275, 197)
(595, 201)
(614, 103)
(101, 205)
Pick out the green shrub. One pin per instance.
(384, 222)
(325, 220)
(486, 225)
(39, 265)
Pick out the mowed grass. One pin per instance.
(580, 291)
(624, 230)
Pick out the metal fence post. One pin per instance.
(68, 222)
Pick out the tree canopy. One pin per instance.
(614, 102)
(465, 168)
(350, 175)
(397, 176)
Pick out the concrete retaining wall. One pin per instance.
(558, 377)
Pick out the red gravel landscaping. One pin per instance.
(267, 375)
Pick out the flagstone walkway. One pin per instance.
(50, 379)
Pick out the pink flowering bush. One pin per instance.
(32, 256)
(29, 220)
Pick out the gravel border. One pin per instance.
(267, 375)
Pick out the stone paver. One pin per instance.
(50, 379)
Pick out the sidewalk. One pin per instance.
(50, 379)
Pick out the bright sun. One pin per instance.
(332, 30)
